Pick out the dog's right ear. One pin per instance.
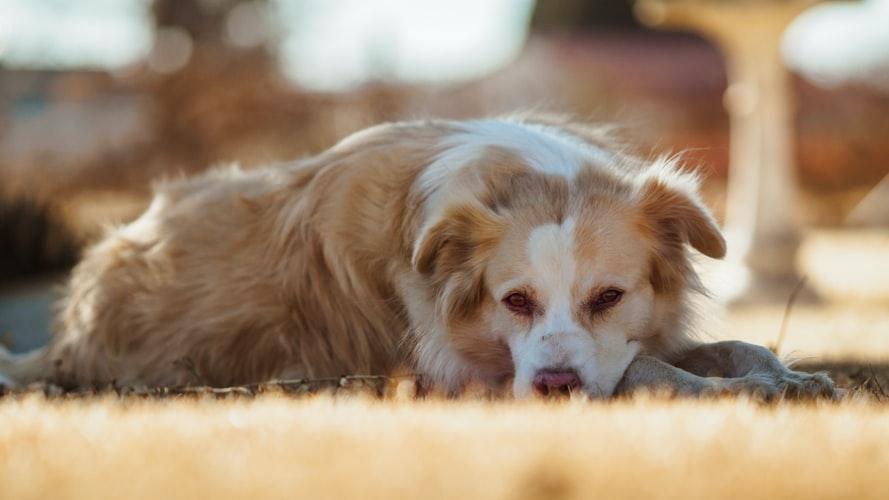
(452, 251)
(463, 236)
(431, 240)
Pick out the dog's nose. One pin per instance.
(555, 382)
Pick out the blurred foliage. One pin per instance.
(571, 16)
(204, 21)
(232, 103)
(34, 239)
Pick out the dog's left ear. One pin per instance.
(673, 209)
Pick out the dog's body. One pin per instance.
(524, 249)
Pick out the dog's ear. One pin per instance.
(452, 251)
(673, 209)
(430, 241)
(461, 237)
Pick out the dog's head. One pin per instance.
(553, 262)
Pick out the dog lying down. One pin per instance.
(525, 251)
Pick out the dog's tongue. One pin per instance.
(557, 379)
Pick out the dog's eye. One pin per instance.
(519, 302)
(607, 299)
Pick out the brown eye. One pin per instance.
(519, 303)
(607, 299)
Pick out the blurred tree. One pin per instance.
(583, 15)
(215, 71)
(204, 21)
(220, 94)
(34, 238)
(225, 25)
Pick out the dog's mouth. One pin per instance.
(556, 382)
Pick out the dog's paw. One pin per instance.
(758, 385)
(802, 385)
(772, 386)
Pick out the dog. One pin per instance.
(528, 253)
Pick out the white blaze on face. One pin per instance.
(556, 340)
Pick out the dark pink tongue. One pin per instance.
(556, 379)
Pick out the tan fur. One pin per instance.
(338, 264)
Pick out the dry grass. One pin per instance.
(832, 331)
(279, 447)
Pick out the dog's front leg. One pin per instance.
(756, 364)
(646, 372)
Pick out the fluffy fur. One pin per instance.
(399, 245)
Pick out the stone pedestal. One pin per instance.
(761, 219)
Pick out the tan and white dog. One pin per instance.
(525, 249)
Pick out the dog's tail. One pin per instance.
(18, 370)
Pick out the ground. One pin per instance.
(319, 447)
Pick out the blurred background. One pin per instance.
(99, 97)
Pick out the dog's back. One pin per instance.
(161, 300)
